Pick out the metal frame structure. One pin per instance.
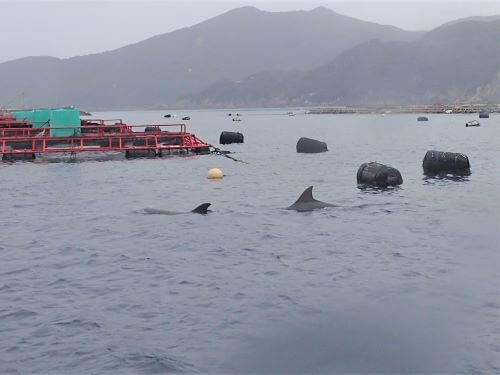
(20, 138)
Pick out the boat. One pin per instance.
(422, 118)
(168, 115)
(290, 114)
(484, 114)
(236, 119)
(186, 118)
(472, 123)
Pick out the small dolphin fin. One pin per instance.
(306, 196)
(202, 209)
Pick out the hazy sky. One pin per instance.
(72, 27)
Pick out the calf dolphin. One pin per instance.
(306, 202)
(201, 209)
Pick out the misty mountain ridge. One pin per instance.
(457, 62)
(240, 57)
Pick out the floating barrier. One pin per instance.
(439, 162)
(230, 137)
(310, 146)
(378, 174)
(422, 118)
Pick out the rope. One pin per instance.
(218, 151)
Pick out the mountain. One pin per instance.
(495, 17)
(453, 63)
(158, 70)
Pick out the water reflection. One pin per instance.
(373, 189)
(458, 176)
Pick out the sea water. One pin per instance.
(391, 281)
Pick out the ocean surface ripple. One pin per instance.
(393, 281)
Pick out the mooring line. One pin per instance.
(218, 151)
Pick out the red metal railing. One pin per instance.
(87, 130)
(101, 138)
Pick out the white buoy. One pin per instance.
(215, 174)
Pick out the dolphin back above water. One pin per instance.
(201, 209)
(306, 202)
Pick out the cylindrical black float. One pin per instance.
(20, 156)
(422, 118)
(230, 137)
(438, 161)
(484, 115)
(310, 146)
(378, 174)
(129, 154)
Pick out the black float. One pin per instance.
(379, 175)
(20, 156)
(230, 137)
(311, 146)
(131, 154)
(442, 162)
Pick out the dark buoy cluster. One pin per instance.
(422, 118)
(230, 137)
(379, 175)
(310, 146)
(443, 162)
(484, 115)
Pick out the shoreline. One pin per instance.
(431, 108)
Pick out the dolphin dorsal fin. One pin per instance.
(201, 209)
(306, 196)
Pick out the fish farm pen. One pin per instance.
(25, 134)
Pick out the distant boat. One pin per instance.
(472, 123)
(229, 114)
(186, 118)
(236, 119)
(422, 118)
(168, 115)
(448, 111)
(290, 114)
(484, 115)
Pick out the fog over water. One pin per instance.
(392, 281)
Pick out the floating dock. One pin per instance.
(22, 138)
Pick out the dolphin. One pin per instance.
(201, 209)
(306, 202)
